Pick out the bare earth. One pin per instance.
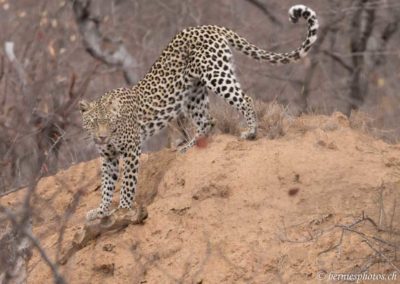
(264, 211)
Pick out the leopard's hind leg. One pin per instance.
(197, 109)
(221, 79)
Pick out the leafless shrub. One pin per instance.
(379, 232)
(381, 235)
(18, 241)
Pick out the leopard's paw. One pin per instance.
(248, 135)
(96, 214)
(182, 149)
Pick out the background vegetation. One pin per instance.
(53, 53)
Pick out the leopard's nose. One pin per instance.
(102, 139)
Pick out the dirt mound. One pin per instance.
(318, 200)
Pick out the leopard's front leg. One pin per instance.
(131, 166)
(109, 176)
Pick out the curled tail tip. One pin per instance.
(301, 11)
(298, 11)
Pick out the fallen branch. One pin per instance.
(117, 221)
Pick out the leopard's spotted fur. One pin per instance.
(196, 60)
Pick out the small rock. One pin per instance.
(106, 268)
(108, 247)
(332, 146)
(293, 191)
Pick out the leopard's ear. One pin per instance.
(84, 105)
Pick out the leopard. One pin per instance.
(198, 60)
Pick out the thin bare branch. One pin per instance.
(261, 6)
(21, 228)
(338, 59)
(94, 40)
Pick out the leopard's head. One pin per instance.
(100, 119)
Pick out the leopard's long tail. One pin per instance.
(295, 13)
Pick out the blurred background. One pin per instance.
(53, 53)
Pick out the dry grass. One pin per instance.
(366, 123)
(273, 121)
(227, 119)
(180, 131)
(361, 121)
(273, 118)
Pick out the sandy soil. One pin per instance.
(264, 211)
